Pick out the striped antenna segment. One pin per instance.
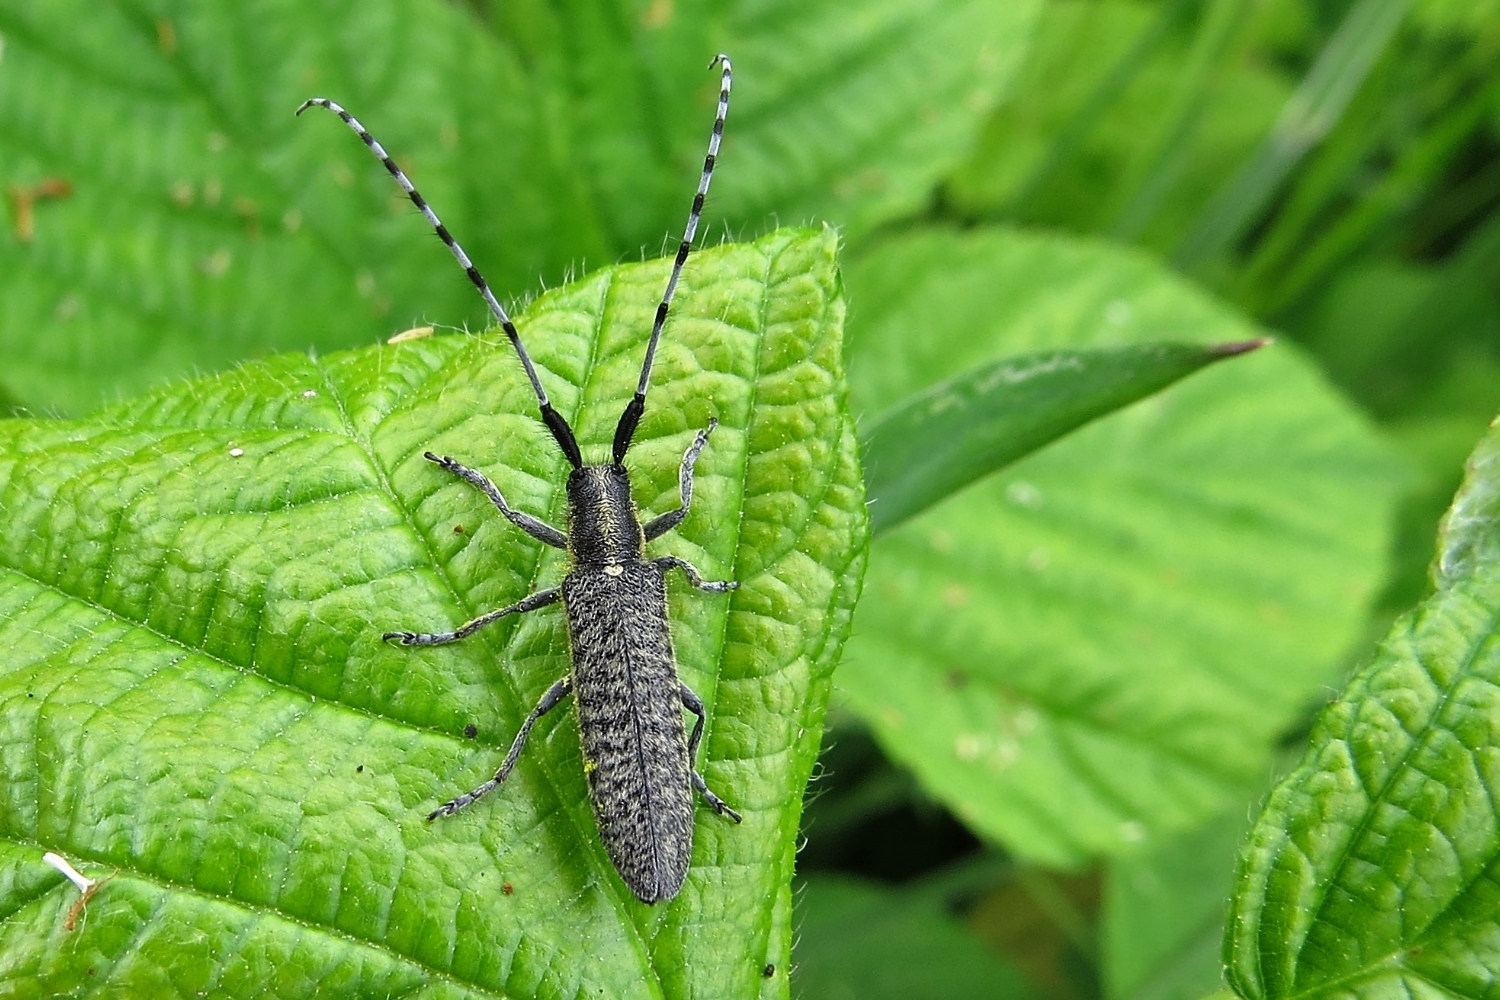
(632, 415)
(551, 417)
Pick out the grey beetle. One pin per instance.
(638, 757)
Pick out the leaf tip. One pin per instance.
(1238, 347)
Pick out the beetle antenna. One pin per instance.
(554, 420)
(625, 430)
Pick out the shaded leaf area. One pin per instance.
(848, 119)
(1102, 643)
(551, 139)
(857, 119)
(1164, 908)
(1375, 869)
(935, 443)
(861, 939)
(197, 693)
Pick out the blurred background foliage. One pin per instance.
(1326, 170)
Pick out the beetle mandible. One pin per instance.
(638, 757)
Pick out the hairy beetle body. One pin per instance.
(638, 756)
(630, 725)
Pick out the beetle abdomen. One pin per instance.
(630, 723)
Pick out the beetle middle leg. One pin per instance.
(540, 599)
(696, 578)
(555, 694)
(694, 704)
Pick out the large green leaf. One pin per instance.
(848, 118)
(196, 693)
(557, 134)
(198, 200)
(859, 115)
(1375, 869)
(1104, 641)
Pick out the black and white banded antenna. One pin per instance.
(555, 422)
(561, 432)
(625, 430)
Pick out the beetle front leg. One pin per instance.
(533, 526)
(658, 526)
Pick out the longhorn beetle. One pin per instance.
(638, 760)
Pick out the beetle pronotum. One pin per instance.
(638, 757)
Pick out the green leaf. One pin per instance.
(858, 939)
(1163, 926)
(1375, 869)
(198, 200)
(1102, 643)
(939, 440)
(1470, 537)
(850, 119)
(553, 136)
(196, 692)
(857, 119)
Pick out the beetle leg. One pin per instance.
(555, 694)
(694, 704)
(533, 526)
(540, 599)
(658, 526)
(694, 577)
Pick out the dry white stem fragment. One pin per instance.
(79, 879)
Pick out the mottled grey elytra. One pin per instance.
(638, 757)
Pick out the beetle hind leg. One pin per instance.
(694, 704)
(696, 578)
(720, 806)
(555, 694)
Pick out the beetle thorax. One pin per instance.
(602, 524)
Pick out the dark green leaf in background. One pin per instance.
(548, 138)
(1102, 643)
(1124, 119)
(1375, 869)
(196, 692)
(878, 943)
(1163, 933)
(1309, 113)
(933, 444)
